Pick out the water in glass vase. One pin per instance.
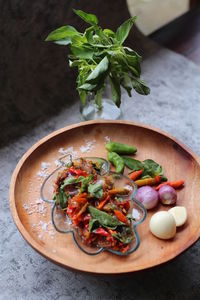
(108, 110)
(102, 108)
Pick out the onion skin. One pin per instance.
(167, 195)
(147, 196)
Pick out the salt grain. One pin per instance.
(107, 139)
(88, 147)
(69, 150)
(45, 165)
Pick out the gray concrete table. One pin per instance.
(174, 106)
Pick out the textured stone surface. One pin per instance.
(173, 106)
(31, 70)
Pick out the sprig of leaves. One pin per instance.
(99, 54)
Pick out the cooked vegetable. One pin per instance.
(162, 225)
(117, 161)
(120, 216)
(120, 148)
(96, 190)
(149, 166)
(180, 215)
(119, 191)
(95, 206)
(175, 184)
(167, 195)
(103, 218)
(147, 196)
(148, 181)
(135, 175)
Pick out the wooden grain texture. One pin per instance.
(177, 160)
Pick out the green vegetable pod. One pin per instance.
(117, 161)
(120, 148)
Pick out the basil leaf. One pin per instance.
(100, 70)
(64, 42)
(103, 218)
(116, 91)
(109, 32)
(140, 86)
(62, 33)
(88, 18)
(71, 180)
(82, 52)
(132, 163)
(124, 235)
(151, 168)
(123, 31)
(87, 87)
(93, 223)
(85, 182)
(96, 190)
(62, 199)
(125, 82)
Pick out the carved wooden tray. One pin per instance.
(32, 217)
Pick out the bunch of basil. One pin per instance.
(99, 54)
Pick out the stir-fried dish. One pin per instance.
(98, 209)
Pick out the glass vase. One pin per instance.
(100, 106)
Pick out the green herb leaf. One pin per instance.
(116, 91)
(71, 180)
(62, 199)
(64, 42)
(140, 86)
(123, 31)
(82, 52)
(96, 190)
(85, 182)
(132, 163)
(92, 224)
(125, 236)
(100, 70)
(103, 218)
(62, 33)
(125, 82)
(151, 169)
(88, 18)
(87, 87)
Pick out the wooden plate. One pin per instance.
(33, 218)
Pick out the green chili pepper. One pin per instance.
(117, 161)
(103, 218)
(120, 148)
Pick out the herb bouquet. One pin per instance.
(103, 63)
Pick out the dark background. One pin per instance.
(35, 78)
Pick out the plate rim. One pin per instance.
(38, 247)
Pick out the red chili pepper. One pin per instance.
(78, 172)
(86, 219)
(120, 216)
(125, 204)
(70, 210)
(101, 232)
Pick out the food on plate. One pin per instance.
(120, 148)
(117, 161)
(167, 195)
(135, 174)
(98, 208)
(147, 196)
(162, 225)
(180, 214)
(148, 181)
(175, 184)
